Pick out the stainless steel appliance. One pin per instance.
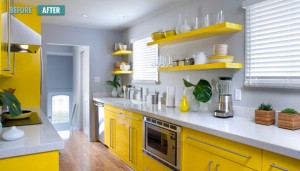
(162, 142)
(225, 109)
(99, 128)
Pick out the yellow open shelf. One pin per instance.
(201, 33)
(219, 65)
(121, 53)
(121, 72)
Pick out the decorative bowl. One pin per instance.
(169, 33)
(157, 35)
(125, 67)
(24, 114)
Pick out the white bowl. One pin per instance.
(125, 67)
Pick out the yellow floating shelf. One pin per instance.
(122, 72)
(201, 33)
(219, 65)
(121, 53)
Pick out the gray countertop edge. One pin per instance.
(269, 146)
(49, 139)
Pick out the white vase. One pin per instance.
(114, 92)
(179, 24)
(186, 27)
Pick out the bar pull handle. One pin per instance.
(130, 145)
(209, 164)
(221, 148)
(217, 166)
(133, 118)
(278, 167)
(111, 133)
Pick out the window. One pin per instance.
(144, 59)
(272, 43)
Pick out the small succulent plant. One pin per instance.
(289, 111)
(265, 106)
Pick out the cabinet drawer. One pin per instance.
(114, 109)
(237, 152)
(277, 162)
(134, 116)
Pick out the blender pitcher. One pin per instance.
(225, 109)
(223, 86)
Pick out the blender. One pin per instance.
(225, 109)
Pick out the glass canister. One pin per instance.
(224, 85)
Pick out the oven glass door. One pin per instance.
(159, 143)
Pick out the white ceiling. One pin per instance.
(105, 14)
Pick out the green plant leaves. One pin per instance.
(202, 91)
(115, 83)
(10, 100)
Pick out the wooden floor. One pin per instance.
(81, 155)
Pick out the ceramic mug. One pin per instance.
(220, 49)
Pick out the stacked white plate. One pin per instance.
(214, 59)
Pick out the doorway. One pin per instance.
(68, 92)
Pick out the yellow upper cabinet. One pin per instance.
(27, 78)
(201, 33)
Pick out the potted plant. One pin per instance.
(202, 90)
(115, 83)
(13, 104)
(289, 118)
(265, 114)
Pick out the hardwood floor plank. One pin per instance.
(81, 155)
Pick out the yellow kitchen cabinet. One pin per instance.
(153, 165)
(277, 162)
(48, 161)
(196, 159)
(123, 135)
(134, 127)
(238, 153)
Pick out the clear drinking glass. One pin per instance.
(205, 20)
(219, 17)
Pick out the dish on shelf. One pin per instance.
(220, 57)
(24, 114)
(125, 67)
(157, 35)
(169, 33)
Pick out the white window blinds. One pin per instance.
(144, 59)
(273, 44)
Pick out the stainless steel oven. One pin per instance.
(162, 142)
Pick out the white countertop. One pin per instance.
(38, 138)
(239, 129)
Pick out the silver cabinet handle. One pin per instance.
(221, 148)
(277, 167)
(130, 145)
(111, 133)
(134, 118)
(209, 164)
(217, 166)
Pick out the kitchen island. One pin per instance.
(237, 129)
(37, 150)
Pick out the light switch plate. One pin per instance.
(237, 94)
(97, 79)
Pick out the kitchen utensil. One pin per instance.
(186, 27)
(157, 35)
(13, 134)
(200, 58)
(154, 99)
(169, 33)
(170, 99)
(220, 49)
(225, 108)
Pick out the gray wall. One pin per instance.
(60, 72)
(100, 43)
(251, 97)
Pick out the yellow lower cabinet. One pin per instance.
(48, 161)
(277, 162)
(153, 165)
(239, 153)
(121, 136)
(135, 139)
